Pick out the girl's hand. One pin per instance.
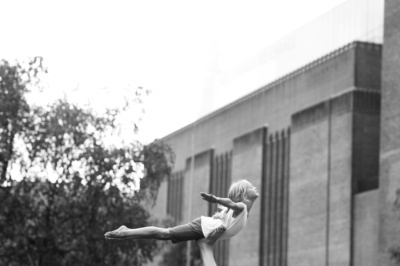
(208, 197)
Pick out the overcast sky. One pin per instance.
(169, 47)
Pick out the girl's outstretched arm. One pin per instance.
(235, 206)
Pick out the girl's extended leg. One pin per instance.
(149, 232)
(206, 252)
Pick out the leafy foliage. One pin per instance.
(15, 81)
(73, 187)
(156, 158)
(47, 223)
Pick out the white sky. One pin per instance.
(169, 47)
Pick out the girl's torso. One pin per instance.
(232, 224)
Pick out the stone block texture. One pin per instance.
(320, 150)
(390, 134)
(197, 175)
(366, 229)
(247, 164)
(334, 155)
(308, 191)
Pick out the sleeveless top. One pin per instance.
(232, 225)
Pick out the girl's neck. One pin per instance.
(249, 204)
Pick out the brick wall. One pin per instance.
(197, 179)
(308, 188)
(320, 204)
(247, 164)
(390, 133)
(366, 229)
(334, 155)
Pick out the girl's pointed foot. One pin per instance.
(116, 233)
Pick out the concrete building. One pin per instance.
(322, 147)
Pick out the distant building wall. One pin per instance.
(326, 166)
(274, 199)
(366, 229)
(295, 140)
(308, 193)
(390, 134)
(275, 103)
(221, 179)
(247, 164)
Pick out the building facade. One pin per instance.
(322, 146)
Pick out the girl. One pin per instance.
(206, 230)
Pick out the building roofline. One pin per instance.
(277, 82)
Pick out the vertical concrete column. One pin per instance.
(181, 199)
(390, 132)
(247, 164)
(169, 194)
(308, 187)
(340, 180)
(219, 181)
(213, 183)
(174, 198)
(366, 230)
(265, 209)
(320, 211)
(200, 183)
(285, 207)
(220, 177)
(271, 200)
(279, 199)
(274, 200)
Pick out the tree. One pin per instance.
(73, 186)
(15, 81)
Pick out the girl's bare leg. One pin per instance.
(206, 252)
(149, 232)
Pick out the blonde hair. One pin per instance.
(236, 193)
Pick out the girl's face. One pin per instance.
(251, 192)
